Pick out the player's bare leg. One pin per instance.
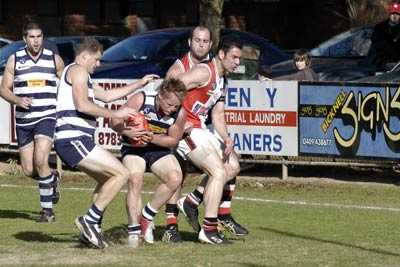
(26, 157)
(208, 159)
(100, 163)
(168, 170)
(136, 166)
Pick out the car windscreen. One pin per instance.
(352, 43)
(8, 50)
(136, 48)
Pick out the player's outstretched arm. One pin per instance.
(78, 77)
(174, 71)
(197, 76)
(111, 95)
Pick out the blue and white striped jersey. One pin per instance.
(36, 79)
(158, 124)
(70, 122)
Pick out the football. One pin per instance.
(137, 121)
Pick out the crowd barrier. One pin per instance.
(289, 122)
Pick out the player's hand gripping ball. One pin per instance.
(137, 121)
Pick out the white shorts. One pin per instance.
(203, 141)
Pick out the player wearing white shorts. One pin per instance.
(206, 84)
(200, 45)
(75, 127)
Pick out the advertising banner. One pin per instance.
(349, 120)
(5, 125)
(104, 135)
(262, 117)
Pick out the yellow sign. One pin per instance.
(36, 83)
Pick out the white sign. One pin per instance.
(262, 117)
(104, 135)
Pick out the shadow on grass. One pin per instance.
(185, 235)
(248, 264)
(18, 214)
(35, 236)
(378, 251)
(119, 234)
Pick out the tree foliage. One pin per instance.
(363, 12)
(210, 16)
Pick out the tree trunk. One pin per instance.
(210, 16)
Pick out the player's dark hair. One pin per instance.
(31, 25)
(229, 42)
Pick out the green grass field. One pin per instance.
(292, 223)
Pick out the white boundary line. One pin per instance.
(261, 200)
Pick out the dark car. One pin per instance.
(155, 51)
(64, 46)
(4, 42)
(341, 58)
(392, 76)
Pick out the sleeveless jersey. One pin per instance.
(70, 122)
(158, 124)
(36, 79)
(186, 62)
(199, 101)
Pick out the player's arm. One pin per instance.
(6, 87)
(218, 121)
(111, 95)
(174, 70)
(175, 132)
(118, 125)
(78, 77)
(59, 65)
(197, 76)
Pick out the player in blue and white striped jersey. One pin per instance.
(30, 83)
(74, 138)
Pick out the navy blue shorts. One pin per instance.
(26, 134)
(149, 155)
(72, 151)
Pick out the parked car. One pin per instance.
(63, 45)
(341, 58)
(155, 51)
(4, 41)
(392, 76)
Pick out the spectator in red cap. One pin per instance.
(385, 46)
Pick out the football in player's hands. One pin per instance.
(137, 121)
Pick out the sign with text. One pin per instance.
(104, 135)
(262, 117)
(350, 120)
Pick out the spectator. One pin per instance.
(235, 22)
(134, 24)
(302, 61)
(385, 39)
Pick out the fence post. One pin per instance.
(284, 169)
